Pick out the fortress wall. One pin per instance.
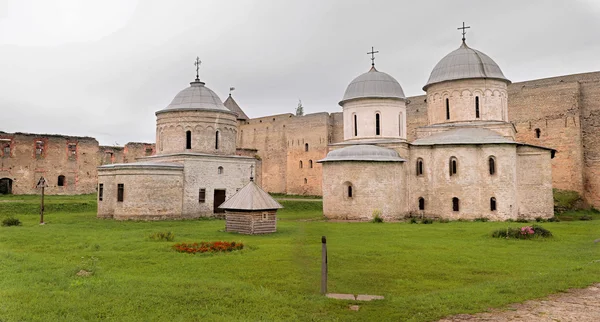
(134, 150)
(336, 127)
(416, 116)
(590, 124)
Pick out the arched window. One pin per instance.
(453, 166)
(300, 164)
(349, 191)
(477, 106)
(377, 124)
(400, 124)
(310, 164)
(355, 126)
(220, 170)
(538, 132)
(447, 109)
(188, 139)
(455, 204)
(492, 165)
(61, 180)
(305, 181)
(217, 140)
(419, 167)
(305, 147)
(421, 203)
(493, 204)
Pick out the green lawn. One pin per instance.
(425, 272)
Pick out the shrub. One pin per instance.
(162, 236)
(481, 219)
(11, 221)
(207, 247)
(377, 216)
(594, 210)
(414, 220)
(553, 219)
(585, 217)
(522, 220)
(427, 221)
(565, 200)
(540, 219)
(444, 220)
(525, 232)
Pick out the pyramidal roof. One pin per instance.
(251, 197)
(233, 106)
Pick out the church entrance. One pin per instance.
(219, 198)
(5, 186)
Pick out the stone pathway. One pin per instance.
(580, 305)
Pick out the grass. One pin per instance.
(425, 272)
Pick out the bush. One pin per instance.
(377, 216)
(414, 220)
(585, 217)
(553, 219)
(565, 200)
(522, 220)
(207, 247)
(444, 220)
(525, 232)
(427, 221)
(11, 221)
(162, 236)
(540, 219)
(481, 219)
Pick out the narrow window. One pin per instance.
(377, 125)
(538, 132)
(39, 149)
(188, 139)
(453, 166)
(355, 126)
(492, 165)
(447, 109)
(220, 170)
(493, 204)
(6, 150)
(421, 203)
(300, 164)
(217, 140)
(72, 151)
(305, 181)
(455, 204)
(400, 124)
(310, 164)
(120, 192)
(349, 191)
(419, 167)
(306, 147)
(61, 180)
(100, 191)
(202, 195)
(476, 106)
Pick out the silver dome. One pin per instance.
(363, 152)
(465, 63)
(197, 96)
(373, 84)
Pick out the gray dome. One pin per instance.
(363, 152)
(465, 63)
(197, 96)
(464, 136)
(373, 84)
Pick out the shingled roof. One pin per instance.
(251, 197)
(233, 106)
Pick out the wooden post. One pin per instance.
(42, 208)
(324, 265)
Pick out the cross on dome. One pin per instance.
(463, 30)
(197, 64)
(372, 53)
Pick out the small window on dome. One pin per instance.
(188, 140)
(377, 124)
(447, 109)
(476, 106)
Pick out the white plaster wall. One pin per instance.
(392, 116)
(493, 103)
(534, 183)
(171, 130)
(473, 184)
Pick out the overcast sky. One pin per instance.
(102, 68)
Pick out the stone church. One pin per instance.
(464, 163)
(194, 169)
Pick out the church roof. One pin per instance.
(251, 197)
(363, 152)
(233, 106)
(464, 136)
(373, 84)
(465, 63)
(195, 97)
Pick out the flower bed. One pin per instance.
(525, 232)
(207, 247)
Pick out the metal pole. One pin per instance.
(42, 208)
(324, 265)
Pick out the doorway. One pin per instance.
(5, 186)
(219, 198)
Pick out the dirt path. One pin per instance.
(579, 305)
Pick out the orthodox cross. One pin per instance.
(463, 30)
(197, 64)
(372, 53)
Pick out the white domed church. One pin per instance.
(195, 168)
(464, 164)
